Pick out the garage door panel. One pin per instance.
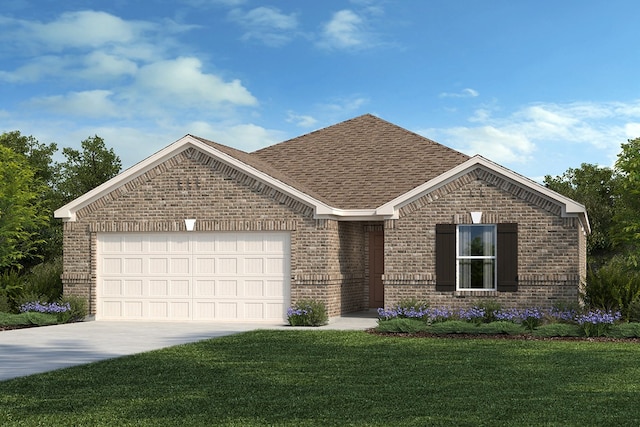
(159, 288)
(226, 243)
(132, 266)
(204, 266)
(111, 266)
(133, 245)
(226, 288)
(158, 266)
(253, 266)
(112, 287)
(193, 276)
(274, 288)
(132, 288)
(274, 266)
(204, 288)
(132, 309)
(254, 288)
(227, 266)
(180, 288)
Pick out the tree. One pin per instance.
(597, 189)
(39, 157)
(627, 217)
(86, 169)
(22, 211)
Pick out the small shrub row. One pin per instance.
(408, 318)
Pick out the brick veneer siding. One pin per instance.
(551, 249)
(324, 263)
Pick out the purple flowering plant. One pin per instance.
(530, 318)
(596, 323)
(45, 307)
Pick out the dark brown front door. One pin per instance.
(376, 269)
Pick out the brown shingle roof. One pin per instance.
(361, 163)
(262, 166)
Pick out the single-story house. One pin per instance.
(361, 214)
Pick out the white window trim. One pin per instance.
(493, 257)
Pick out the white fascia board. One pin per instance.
(68, 211)
(348, 214)
(569, 207)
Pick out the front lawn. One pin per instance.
(339, 378)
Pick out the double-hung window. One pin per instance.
(476, 257)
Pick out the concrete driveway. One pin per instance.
(36, 350)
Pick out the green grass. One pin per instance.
(29, 318)
(337, 378)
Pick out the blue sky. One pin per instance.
(537, 86)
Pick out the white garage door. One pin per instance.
(193, 276)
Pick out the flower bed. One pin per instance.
(478, 320)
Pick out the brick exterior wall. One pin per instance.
(325, 263)
(551, 249)
(329, 259)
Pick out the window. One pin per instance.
(470, 265)
(476, 257)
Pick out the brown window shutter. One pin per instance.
(507, 257)
(446, 257)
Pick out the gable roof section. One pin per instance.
(569, 207)
(361, 169)
(361, 163)
(226, 155)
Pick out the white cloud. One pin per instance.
(182, 82)
(247, 137)
(102, 65)
(37, 69)
(345, 30)
(632, 130)
(94, 103)
(464, 93)
(495, 144)
(301, 120)
(82, 29)
(266, 24)
(346, 105)
(556, 127)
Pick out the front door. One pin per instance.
(376, 269)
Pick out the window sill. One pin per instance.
(476, 293)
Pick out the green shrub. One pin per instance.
(615, 286)
(454, 327)
(634, 310)
(489, 307)
(78, 309)
(26, 319)
(625, 330)
(501, 327)
(43, 282)
(557, 330)
(402, 325)
(11, 286)
(308, 313)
